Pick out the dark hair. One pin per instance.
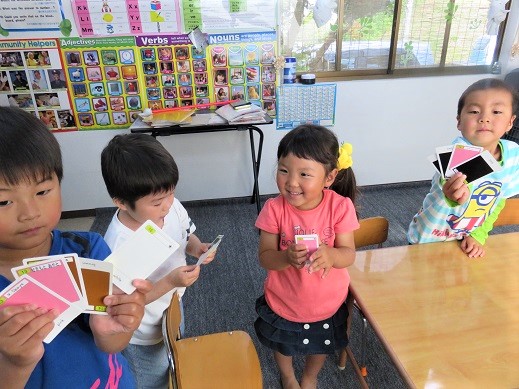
(319, 144)
(489, 83)
(136, 165)
(28, 150)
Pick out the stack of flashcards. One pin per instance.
(67, 283)
(74, 285)
(470, 160)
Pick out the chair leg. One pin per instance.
(363, 368)
(343, 358)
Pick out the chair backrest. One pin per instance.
(509, 214)
(372, 230)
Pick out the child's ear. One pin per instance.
(330, 177)
(119, 204)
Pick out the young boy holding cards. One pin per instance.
(454, 209)
(141, 176)
(86, 351)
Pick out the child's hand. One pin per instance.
(321, 259)
(296, 255)
(125, 311)
(22, 330)
(184, 275)
(203, 248)
(472, 247)
(455, 188)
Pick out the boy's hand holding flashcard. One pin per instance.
(212, 248)
(140, 255)
(311, 241)
(26, 290)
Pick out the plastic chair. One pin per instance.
(372, 231)
(509, 215)
(220, 360)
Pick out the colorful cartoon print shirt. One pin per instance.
(440, 219)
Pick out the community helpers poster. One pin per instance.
(32, 77)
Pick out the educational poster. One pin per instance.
(233, 66)
(300, 104)
(104, 80)
(224, 15)
(174, 73)
(242, 67)
(36, 15)
(32, 77)
(123, 17)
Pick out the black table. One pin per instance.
(140, 127)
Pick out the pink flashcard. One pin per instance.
(55, 275)
(460, 154)
(26, 290)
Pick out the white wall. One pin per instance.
(393, 125)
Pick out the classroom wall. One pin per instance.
(393, 124)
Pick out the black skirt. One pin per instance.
(291, 338)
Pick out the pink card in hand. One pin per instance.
(26, 290)
(55, 275)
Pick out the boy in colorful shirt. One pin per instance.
(454, 210)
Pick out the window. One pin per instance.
(363, 37)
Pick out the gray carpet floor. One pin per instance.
(223, 297)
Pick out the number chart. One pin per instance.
(299, 104)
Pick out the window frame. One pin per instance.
(391, 71)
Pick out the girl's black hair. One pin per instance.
(136, 165)
(28, 150)
(319, 144)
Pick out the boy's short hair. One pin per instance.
(136, 165)
(28, 150)
(489, 83)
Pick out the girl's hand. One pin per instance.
(125, 311)
(472, 247)
(296, 255)
(321, 259)
(455, 188)
(22, 330)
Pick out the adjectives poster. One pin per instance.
(104, 81)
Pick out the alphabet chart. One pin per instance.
(298, 104)
(121, 17)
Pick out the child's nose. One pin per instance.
(28, 210)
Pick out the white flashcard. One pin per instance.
(212, 248)
(140, 255)
(444, 156)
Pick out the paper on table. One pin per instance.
(140, 255)
(212, 249)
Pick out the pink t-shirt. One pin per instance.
(292, 293)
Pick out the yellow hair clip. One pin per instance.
(345, 161)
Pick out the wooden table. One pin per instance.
(447, 321)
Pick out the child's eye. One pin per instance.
(474, 112)
(498, 112)
(305, 175)
(282, 171)
(43, 192)
(5, 203)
